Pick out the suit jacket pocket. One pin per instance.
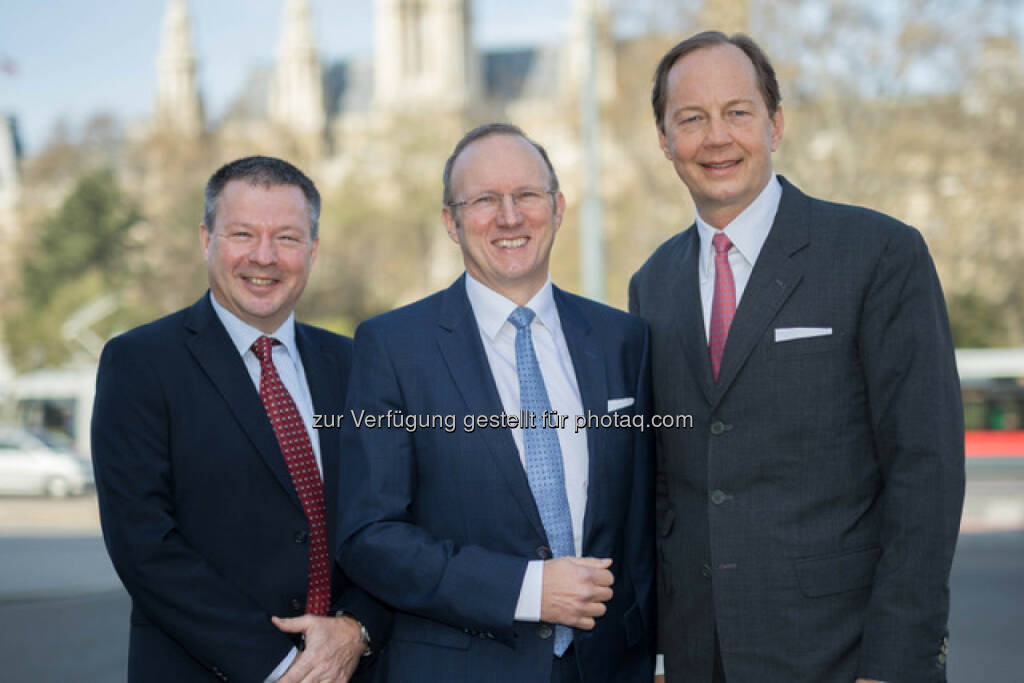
(802, 347)
(830, 574)
(419, 630)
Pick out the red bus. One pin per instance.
(992, 382)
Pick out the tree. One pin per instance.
(78, 255)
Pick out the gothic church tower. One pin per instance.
(178, 107)
(296, 91)
(423, 55)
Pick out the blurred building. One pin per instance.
(425, 64)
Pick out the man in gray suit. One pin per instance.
(807, 522)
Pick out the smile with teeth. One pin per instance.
(260, 281)
(723, 164)
(510, 243)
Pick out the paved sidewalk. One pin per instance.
(994, 502)
(37, 516)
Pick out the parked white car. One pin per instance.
(29, 466)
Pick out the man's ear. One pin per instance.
(663, 142)
(204, 240)
(450, 224)
(778, 124)
(559, 209)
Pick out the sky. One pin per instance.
(73, 58)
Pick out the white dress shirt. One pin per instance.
(491, 311)
(747, 232)
(289, 368)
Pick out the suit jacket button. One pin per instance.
(544, 552)
(705, 571)
(718, 496)
(717, 427)
(301, 536)
(297, 605)
(544, 631)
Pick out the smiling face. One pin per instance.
(718, 132)
(507, 250)
(259, 253)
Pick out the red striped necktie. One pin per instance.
(293, 439)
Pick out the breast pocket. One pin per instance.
(807, 346)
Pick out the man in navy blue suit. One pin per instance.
(208, 470)
(510, 551)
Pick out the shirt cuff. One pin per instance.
(528, 606)
(659, 665)
(282, 667)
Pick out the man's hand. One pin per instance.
(575, 590)
(333, 648)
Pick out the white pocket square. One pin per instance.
(617, 403)
(785, 334)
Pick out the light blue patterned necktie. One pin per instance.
(544, 468)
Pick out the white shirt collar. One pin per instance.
(749, 230)
(492, 309)
(243, 335)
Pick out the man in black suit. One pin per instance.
(208, 469)
(807, 522)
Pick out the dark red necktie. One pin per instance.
(723, 302)
(293, 439)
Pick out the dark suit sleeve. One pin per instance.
(382, 548)
(640, 537)
(917, 419)
(172, 585)
(660, 482)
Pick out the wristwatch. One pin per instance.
(364, 635)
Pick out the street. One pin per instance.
(65, 614)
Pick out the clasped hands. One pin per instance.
(575, 590)
(333, 648)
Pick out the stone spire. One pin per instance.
(10, 157)
(297, 91)
(424, 56)
(178, 107)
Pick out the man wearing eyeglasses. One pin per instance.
(516, 545)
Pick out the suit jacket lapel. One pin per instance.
(324, 379)
(211, 346)
(459, 340)
(589, 364)
(773, 279)
(682, 295)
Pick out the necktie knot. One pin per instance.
(521, 317)
(721, 243)
(261, 348)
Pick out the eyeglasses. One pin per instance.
(487, 205)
